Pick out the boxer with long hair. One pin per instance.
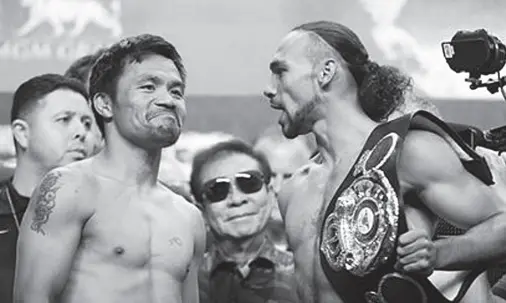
(370, 226)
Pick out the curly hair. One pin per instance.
(381, 88)
(109, 67)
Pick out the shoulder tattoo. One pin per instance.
(45, 201)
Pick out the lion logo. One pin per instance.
(58, 13)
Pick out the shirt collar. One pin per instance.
(266, 252)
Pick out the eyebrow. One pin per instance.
(156, 79)
(70, 113)
(276, 65)
(150, 78)
(177, 83)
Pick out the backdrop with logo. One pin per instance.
(227, 45)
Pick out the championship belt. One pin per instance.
(361, 232)
(365, 216)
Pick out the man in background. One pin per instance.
(51, 123)
(231, 183)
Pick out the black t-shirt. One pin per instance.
(9, 237)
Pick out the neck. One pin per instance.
(128, 163)
(27, 175)
(344, 128)
(240, 251)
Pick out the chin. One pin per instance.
(243, 234)
(167, 137)
(291, 132)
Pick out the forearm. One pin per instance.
(482, 245)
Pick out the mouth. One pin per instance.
(275, 106)
(80, 152)
(241, 216)
(164, 114)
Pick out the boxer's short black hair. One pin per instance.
(219, 150)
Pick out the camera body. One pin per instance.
(475, 52)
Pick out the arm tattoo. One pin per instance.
(45, 201)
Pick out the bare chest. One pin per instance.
(140, 234)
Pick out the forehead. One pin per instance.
(153, 65)
(227, 165)
(292, 47)
(63, 100)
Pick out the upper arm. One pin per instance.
(49, 236)
(190, 287)
(430, 166)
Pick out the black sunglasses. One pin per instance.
(217, 189)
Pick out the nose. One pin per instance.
(269, 92)
(236, 197)
(81, 131)
(166, 102)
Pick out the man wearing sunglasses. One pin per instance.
(361, 218)
(230, 182)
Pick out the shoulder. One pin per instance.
(66, 180)
(181, 188)
(63, 188)
(312, 175)
(426, 156)
(186, 207)
(187, 211)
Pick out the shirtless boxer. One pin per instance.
(104, 230)
(323, 82)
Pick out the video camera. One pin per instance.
(479, 53)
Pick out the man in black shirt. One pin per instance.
(51, 124)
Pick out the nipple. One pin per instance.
(118, 250)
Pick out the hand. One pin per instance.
(416, 253)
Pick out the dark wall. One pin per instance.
(246, 116)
